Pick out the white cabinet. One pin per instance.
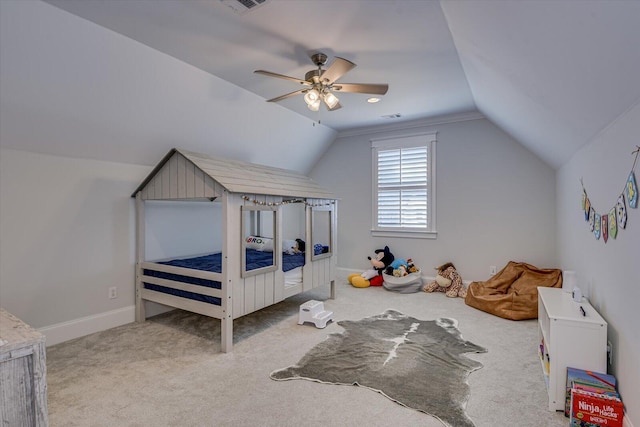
(569, 337)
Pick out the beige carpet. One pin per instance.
(168, 371)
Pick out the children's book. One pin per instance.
(595, 410)
(586, 378)
(609, 391)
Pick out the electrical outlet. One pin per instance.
(113, 292)
(492, 270)
(610, 352)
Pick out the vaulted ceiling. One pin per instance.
(552, 74)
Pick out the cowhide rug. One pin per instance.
(417, 363)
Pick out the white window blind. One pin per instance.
(403, 187)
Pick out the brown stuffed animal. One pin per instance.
(448, 281)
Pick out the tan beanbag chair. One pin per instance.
(512, 293)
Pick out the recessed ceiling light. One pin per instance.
(373, 100)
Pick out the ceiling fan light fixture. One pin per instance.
(331, 100)
(312, 97)
(373, 100)
(314, 106)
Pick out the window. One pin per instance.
(404, 186)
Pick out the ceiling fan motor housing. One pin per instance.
(319, 59)
(311, 74)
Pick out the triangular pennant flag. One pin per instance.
(592, 219)
(613, 223)
(584, 199)
(605, 227)
(596, 226)
(587, 208)
(621, 212)
(632, 191)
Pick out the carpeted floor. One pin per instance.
(169, 370)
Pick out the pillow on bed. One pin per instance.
(264, 244)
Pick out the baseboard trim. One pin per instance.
(65, 331)
(626, 422)
(342, 273)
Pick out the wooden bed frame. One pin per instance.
(183, 175)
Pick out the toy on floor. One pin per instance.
(373, 277)
(401, 268)
(448, 281)
(402, 276)
(314, 312)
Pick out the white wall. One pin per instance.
(293, 221)
(609, 273)
(180, 229)
(66, 236)
(495, 200)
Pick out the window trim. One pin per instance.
(244, 273)
(406, 141)
(315, 220)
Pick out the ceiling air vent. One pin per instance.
(243, 6)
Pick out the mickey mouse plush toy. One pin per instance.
(373, 277)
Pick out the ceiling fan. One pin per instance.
(320, 85)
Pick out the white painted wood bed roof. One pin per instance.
(184, 174)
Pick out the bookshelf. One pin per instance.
(568, 338)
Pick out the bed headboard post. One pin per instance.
(230, 267)
(140, 256)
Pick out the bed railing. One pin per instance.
(200, 307)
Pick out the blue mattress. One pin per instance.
(213, 262)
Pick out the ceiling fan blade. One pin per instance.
(336, 70)
(372, 88)
(282, 76)
(288, 95)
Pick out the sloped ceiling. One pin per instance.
(550, 73)
(553, 74)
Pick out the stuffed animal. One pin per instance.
(392, 269)
(401, 268)
(448, 281)
(293, 247)
(373, 277)
(411, 268)
(401, 271)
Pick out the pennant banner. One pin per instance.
(608, 223)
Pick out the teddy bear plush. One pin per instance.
(448, 281)
(373, 277)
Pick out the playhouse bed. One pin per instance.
(237, 280)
